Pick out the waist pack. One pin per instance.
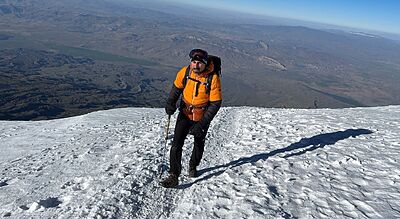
(194, 113)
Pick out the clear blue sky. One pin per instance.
(381, 15)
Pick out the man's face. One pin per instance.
(197, 66)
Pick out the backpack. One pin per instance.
(217, 70)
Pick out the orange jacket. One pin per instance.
(190, 89)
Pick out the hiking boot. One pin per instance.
(171, 181)
(192, 172)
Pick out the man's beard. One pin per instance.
(196, 70)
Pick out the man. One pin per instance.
(200, 102)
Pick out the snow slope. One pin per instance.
(258, 163)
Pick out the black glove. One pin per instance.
(174, 94)
(197, 130)
(170, 109)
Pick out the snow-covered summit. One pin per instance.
(258, 163)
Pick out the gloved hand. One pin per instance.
(170, 109)
(197, 130)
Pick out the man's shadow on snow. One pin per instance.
(316, 142)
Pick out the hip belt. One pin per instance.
(194, 113)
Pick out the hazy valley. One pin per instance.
(64, 58)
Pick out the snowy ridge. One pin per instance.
(258, 163)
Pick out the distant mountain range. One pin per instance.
(66, 58)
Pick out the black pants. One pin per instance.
(182, 127)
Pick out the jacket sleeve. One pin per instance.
(174, 95)
(210, 113)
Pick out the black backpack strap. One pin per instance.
(207, 84)
(187, 74)
(197, 85)
(209, 81)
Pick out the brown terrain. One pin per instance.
(63, 58)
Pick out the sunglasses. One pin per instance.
(199, 53)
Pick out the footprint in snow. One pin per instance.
(78, 184)
(3, 183)
(41, 205)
